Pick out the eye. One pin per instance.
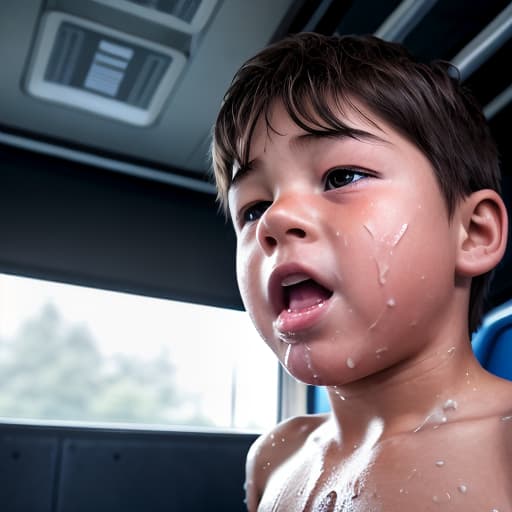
(254, 211)
(343, 176)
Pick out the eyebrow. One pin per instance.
(302, 140)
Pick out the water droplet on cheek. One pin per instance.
(399, 235)
(382, 269)
(439, 463)
(350, 363)
(463, 488)
(391, 303)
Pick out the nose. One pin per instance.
(288, 220)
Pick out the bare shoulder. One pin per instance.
(274, 448)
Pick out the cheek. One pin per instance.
(394, 254)
(248, 270)
(243, 264)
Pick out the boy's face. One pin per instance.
(346, 255)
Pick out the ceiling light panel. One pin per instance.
(92, 67)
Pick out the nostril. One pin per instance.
(271, 241)
(299, 233)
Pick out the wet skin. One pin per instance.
(386, 331)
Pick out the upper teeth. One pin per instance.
(294, 279)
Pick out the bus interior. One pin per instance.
(106, 197)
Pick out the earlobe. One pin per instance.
(483, 233)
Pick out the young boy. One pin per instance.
(363, 187)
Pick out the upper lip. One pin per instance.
(281, 272)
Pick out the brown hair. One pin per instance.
(316, 76)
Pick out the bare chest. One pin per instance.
(433, 473)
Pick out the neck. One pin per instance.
(435, 387)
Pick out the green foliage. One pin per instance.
(50, 370)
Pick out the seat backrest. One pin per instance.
(492, 343)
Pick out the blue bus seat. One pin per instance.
(492, 343)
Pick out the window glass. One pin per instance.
(82, 354)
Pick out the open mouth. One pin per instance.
(300, 293)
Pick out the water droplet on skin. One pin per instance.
(450, 405)
(379, 351)
(439, 463)
(287, 355)
(337, 392)
(399, 235)
(442, 499)
(337, 233)
(273, 444)
(350, 363)
(451, 351)
(463, 488)
(283, 439)
(436, 417)
(377, 320)
(414, 472)
(506, 418)
(391, 303)
(383, 269)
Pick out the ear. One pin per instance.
(483, 232)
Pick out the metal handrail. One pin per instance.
(485, 44)
(403, 19)
(498, 103)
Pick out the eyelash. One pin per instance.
(346, 172)
(259, 207)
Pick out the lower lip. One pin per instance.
(289, 323)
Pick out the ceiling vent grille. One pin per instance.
(92, 67)
(188, 16)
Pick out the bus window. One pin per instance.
(76, 354)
